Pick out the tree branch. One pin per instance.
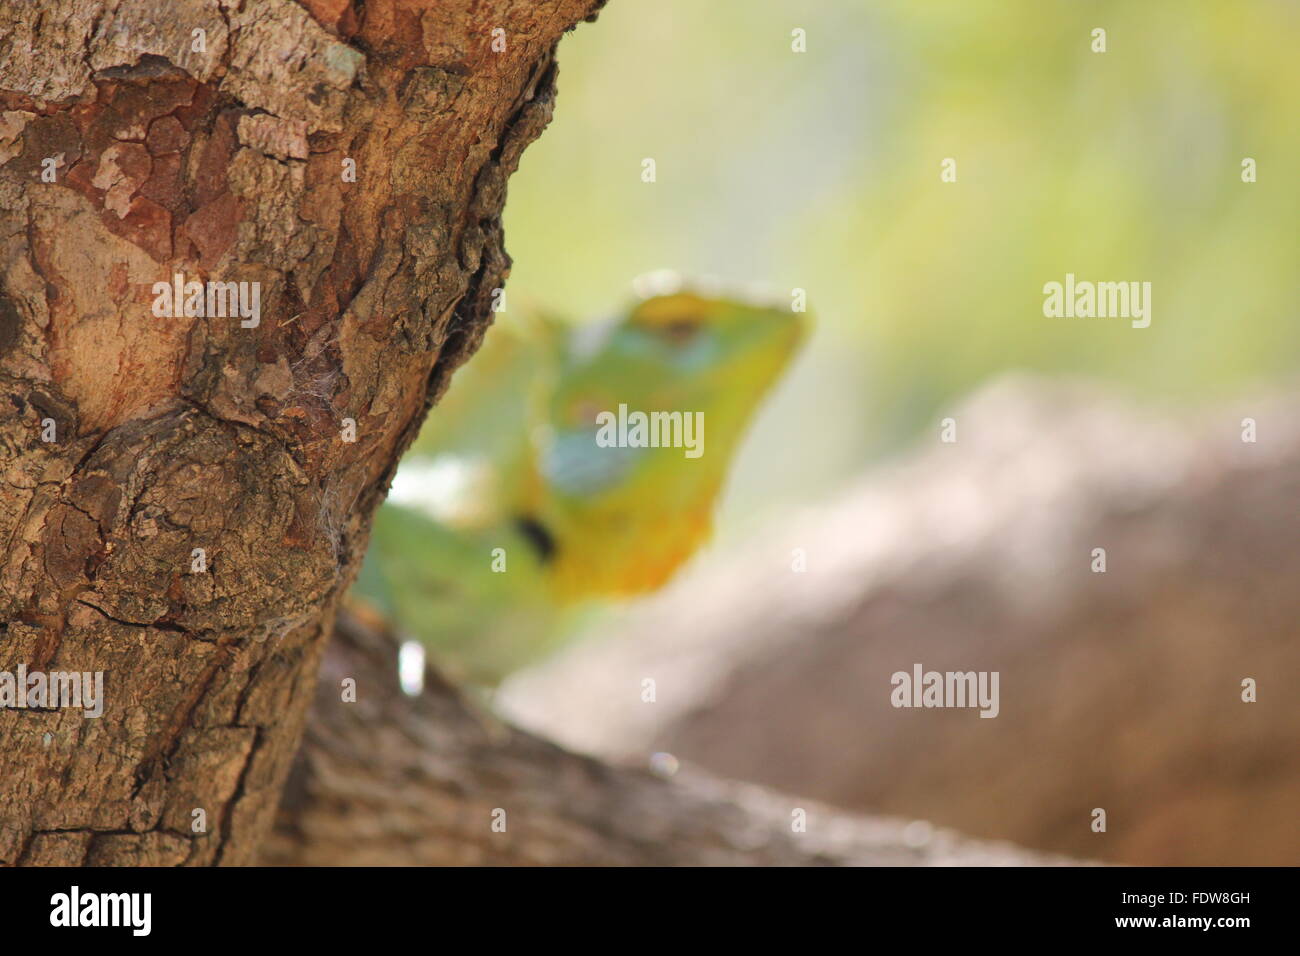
(1119, 690)
(398, 780)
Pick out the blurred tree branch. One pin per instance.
(399, 780)
(1119, 690)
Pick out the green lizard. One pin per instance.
(514, 506)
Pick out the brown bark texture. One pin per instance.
(1119, 690)
(430, 779)
(140, 139)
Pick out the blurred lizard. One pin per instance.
(508, 514)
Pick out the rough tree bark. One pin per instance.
(211, 138)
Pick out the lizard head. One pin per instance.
(641, 429)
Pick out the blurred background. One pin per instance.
(821, 170)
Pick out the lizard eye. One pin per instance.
(679, 331)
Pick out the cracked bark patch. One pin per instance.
(184, 433)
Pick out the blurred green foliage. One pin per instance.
(821, 170)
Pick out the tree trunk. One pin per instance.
(182, 504)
